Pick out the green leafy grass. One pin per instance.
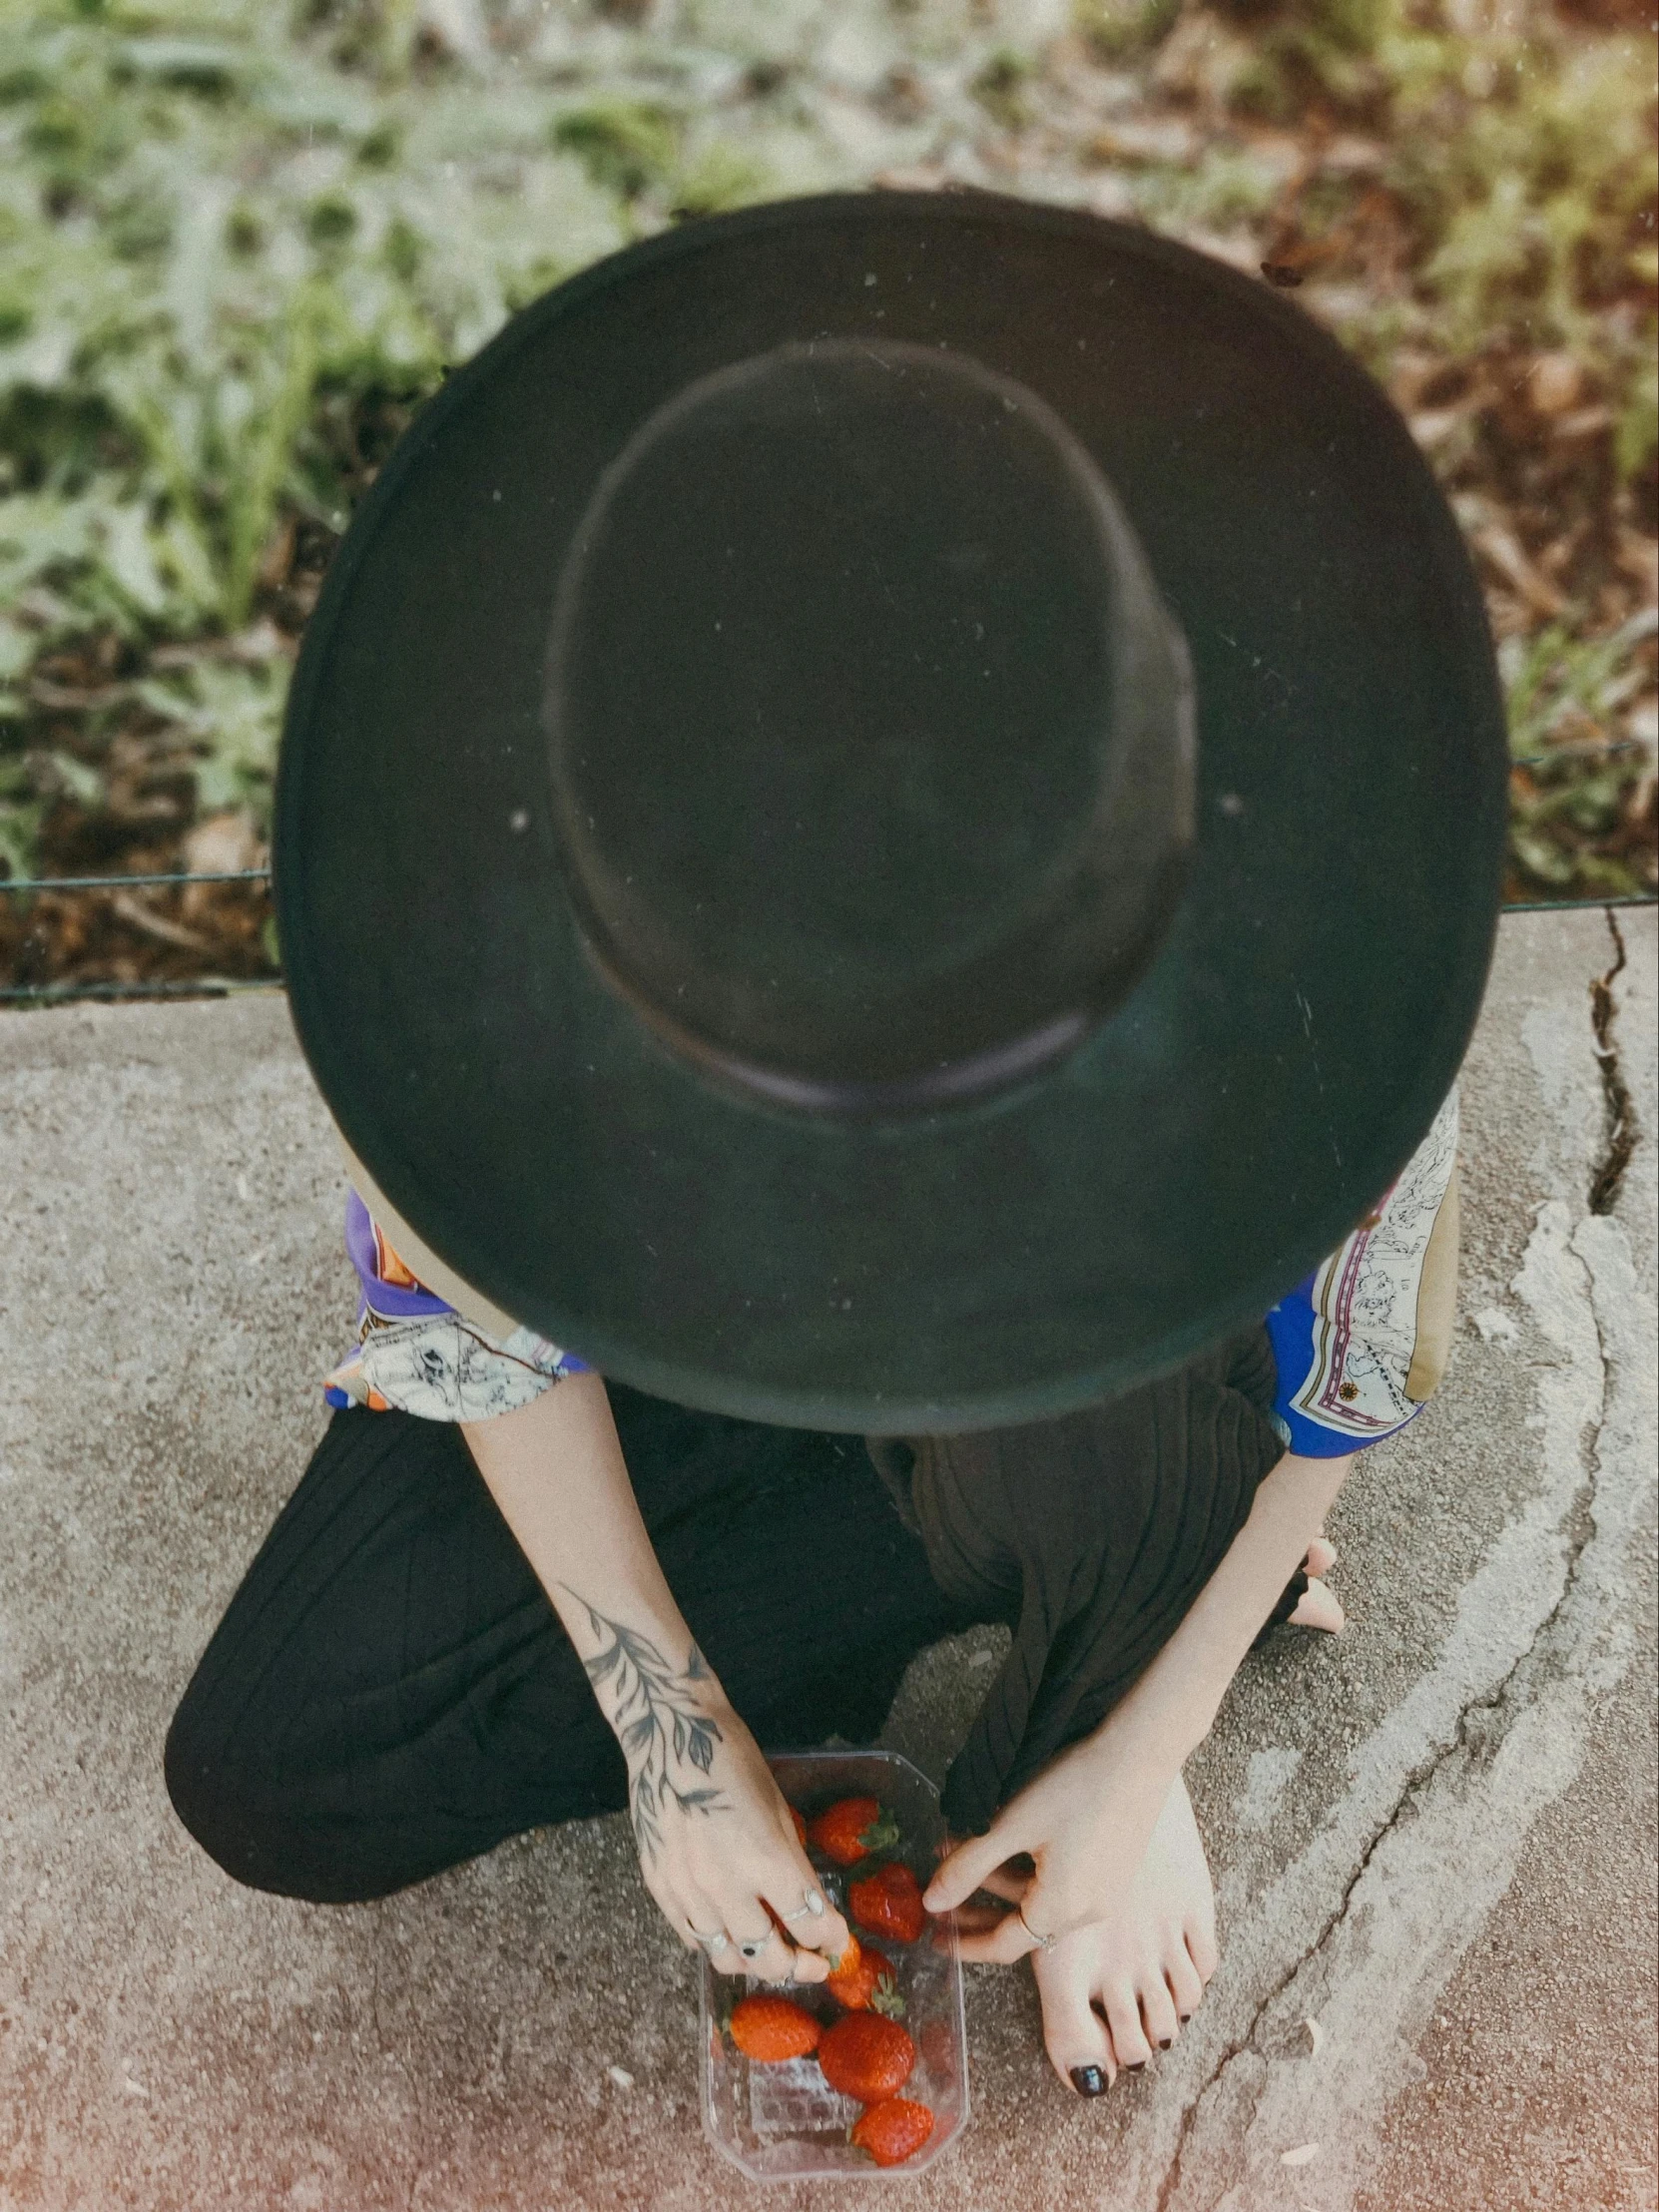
(1565, 694)
(240, 242)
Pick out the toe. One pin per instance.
(1074, 2036)
(1123, 2017)
(1078, 2046)
(1182, 1975)
(1201, 1948)
(1158, 2018)
(1318, 1608)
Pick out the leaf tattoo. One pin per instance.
(659, 1725)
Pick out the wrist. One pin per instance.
(1173, 1705)
(1152, 1733)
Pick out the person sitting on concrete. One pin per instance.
(888, 839)
(402, 1681)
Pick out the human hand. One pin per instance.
(1067, 1848)
(716, 1842)
(1063, 1853)
(718, 1845)
(740, 1870)
(1117, 1990)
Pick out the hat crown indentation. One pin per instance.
(871, 744)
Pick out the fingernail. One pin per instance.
(1088, 2081)
(1165, 2043)
(1135, 2064)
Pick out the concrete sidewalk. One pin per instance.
(1434, 1837)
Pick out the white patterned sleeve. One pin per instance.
(417, 1353)
(1362, 1343)
(443, 1368)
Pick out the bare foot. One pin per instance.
(1117, 1990)
(1317, 1606)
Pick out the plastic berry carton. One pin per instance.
(784, 2122)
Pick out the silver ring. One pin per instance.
(811, 1901)
(716, 1940)
(753, 1950)
(1043, 1942)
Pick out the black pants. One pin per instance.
(390, 1692)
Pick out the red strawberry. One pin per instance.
(894, 2130)
(772, 2028)
(852, 1828)
(799, 1826)
(888, 1902)
(865, 1981)
(865, 2056)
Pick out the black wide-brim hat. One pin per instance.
(892, 817)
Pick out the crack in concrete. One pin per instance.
(1621, 1110)
(1468, 1738)
(1412, 1788)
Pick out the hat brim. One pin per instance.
(1273, 1071)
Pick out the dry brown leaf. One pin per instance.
(1346, 155)
(1156, 139)
(73, 698)
(1503, 549)
(1557, 382)
(157, 925)
(276, 562)
(1638, 557)
(223, 845)
(1587, 422)
(1203, 56)
(1430, 424)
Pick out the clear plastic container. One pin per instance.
(784, 2122)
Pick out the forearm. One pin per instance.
(1175, 1702)
(718, 1845)
(555, 1469)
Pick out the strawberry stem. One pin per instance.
(882, 1833)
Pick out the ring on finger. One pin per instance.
(714, 1940)
(755, 1944)
(1043, 1942)
(811, 1901)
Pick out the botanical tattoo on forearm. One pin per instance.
(658, 1722)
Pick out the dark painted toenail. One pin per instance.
(1089, 2080)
